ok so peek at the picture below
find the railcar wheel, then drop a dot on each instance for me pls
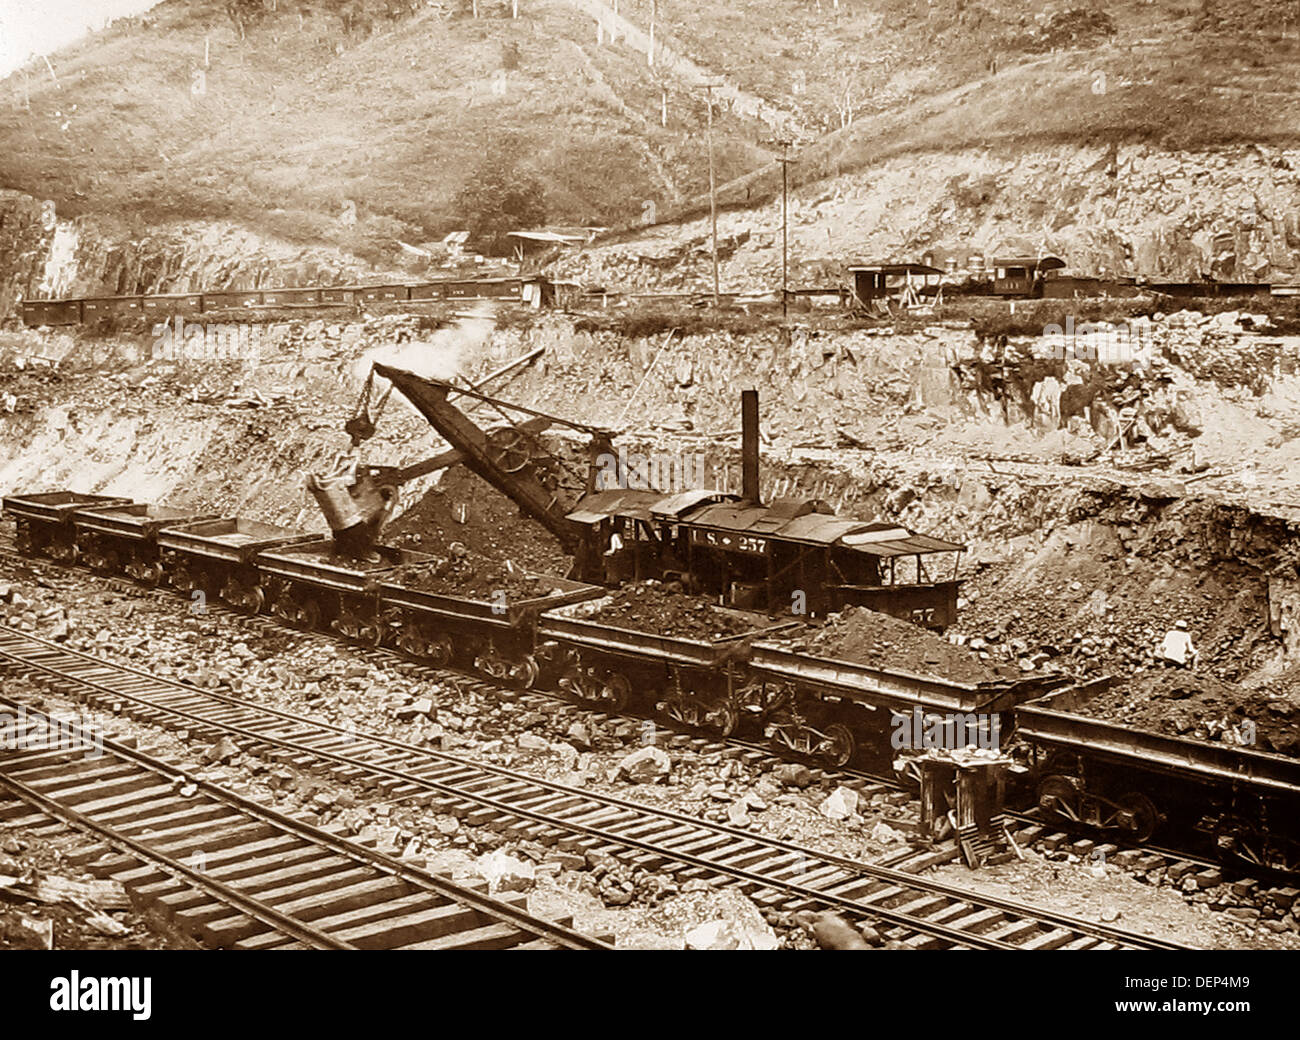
(105, 562)
(525, 673)
(439, 650)
(253, 600)
(839, 746)
(181, 579)
(307, 615)
(1143, 812)
(1057, 795)
(616, 691)
(723, 721)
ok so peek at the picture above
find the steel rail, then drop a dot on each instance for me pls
(373, 858)
(875, 872)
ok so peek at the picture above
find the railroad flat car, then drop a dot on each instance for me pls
(1144, 784)
(310, 584)
(338, 294)
(44, 520)
(123, 538)
(497, 636)
(221, 555)
(827, 708)
(699, 679)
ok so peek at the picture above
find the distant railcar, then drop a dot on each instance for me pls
(97, 307)
(290, 297)
(429, 291)
(50, 312)
(168, 304)
(383, 293)
(213, 301)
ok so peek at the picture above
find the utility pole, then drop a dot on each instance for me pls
(713, 193)
(650, 51)
(785, 162)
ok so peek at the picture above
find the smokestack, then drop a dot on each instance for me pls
(749, 446)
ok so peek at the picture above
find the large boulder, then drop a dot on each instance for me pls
(731, 935)
(840, 804)
(645, 765)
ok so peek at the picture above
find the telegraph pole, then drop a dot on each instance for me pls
(785, 162)
(713, 193)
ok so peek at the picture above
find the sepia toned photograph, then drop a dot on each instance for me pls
(657, 475)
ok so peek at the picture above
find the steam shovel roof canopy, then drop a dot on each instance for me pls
(789, 520)
(642, 505)
(888, 267)
(891, 540)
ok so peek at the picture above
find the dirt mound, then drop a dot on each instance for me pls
(868, 637)
(474, 576)
(466, 509)
(1200, 707)
(1100, 595)
(654, 608)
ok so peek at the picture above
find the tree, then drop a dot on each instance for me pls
(499, 198)
(244, 13)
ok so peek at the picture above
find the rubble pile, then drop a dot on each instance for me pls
(653, 607)
(1098, 595)
(471, 575)
(868, 637)
(464, 509)
(1191, 704)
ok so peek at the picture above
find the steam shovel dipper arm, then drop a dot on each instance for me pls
(520, 484)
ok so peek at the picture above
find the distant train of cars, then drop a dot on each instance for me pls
(529, 290)
(869, 285)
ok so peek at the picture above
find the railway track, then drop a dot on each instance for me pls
(1028, 829)
(237, 874)
(774, 873)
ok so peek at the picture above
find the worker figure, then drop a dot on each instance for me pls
(1177, 648)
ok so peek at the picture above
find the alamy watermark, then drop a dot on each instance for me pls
(921, 732)
(179, 340)
(1121, 343)
(661, 471)
(37, 731)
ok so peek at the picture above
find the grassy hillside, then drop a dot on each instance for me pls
(389, 108)
(283, 129)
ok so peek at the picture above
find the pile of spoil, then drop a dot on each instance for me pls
(863, 636)
(1198, 706)
(655, 608)
(470, 575)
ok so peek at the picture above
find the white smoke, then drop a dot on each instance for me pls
(443, 355)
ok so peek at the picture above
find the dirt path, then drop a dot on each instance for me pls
(691, 73)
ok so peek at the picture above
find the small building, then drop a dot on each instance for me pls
(900, 283)
(543, 240)
(1022, 275)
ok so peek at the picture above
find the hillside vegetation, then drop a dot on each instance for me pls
(355, 123)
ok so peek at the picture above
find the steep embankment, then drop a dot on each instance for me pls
(1078, 555)
(1232, 213)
